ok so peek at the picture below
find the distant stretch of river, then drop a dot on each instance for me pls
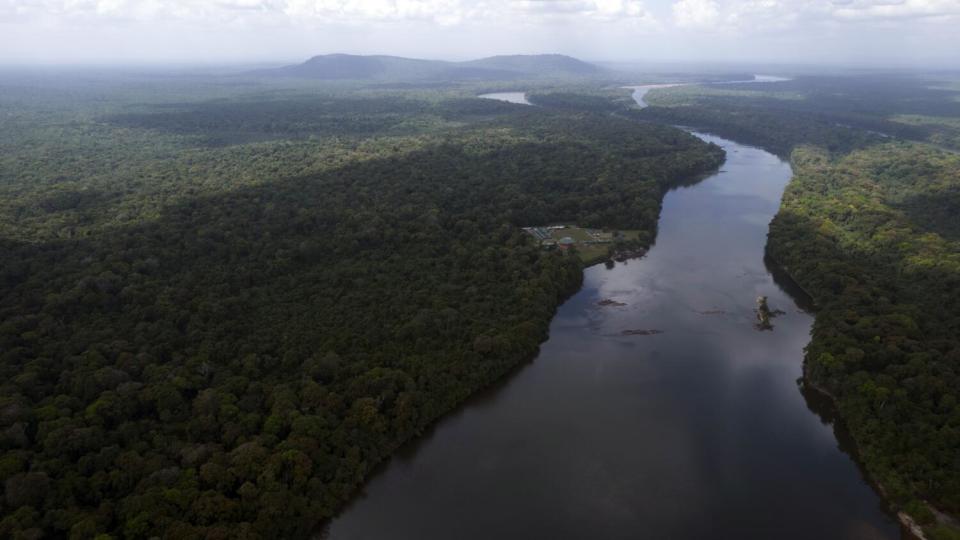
(513, 97)
(697, 432)
(639, 92)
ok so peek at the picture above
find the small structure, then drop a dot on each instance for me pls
(539, 233)
(566, 242)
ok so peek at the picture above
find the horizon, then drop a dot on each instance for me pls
(228, 66)
(837, 33)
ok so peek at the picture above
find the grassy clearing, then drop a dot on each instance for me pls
(592, 245)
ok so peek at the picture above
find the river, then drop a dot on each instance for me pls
(639, 92)
(699, 431)
(519, 98)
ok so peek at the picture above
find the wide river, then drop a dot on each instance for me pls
(700, 431)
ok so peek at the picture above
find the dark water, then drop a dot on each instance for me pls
(697, 432)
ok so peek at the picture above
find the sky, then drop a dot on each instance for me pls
(875, 33)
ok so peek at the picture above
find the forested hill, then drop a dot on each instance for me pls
(869, 226)
(380, 67)
(204, 336)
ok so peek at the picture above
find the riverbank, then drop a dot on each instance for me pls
(836, 272)
(911, 528)
(862, 374)
(703, 410)
(909, 524)
(632, 201)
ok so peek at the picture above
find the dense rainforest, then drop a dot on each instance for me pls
(218, 315)
(870, 228)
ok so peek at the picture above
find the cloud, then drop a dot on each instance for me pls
(444, 12)
(266, 30)
(594, 9)
(696, 13)
(620, 8)
(759, 16)
(440, 11)
(688, 14)
(893, 9)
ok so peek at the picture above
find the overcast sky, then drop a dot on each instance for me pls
(872, 32)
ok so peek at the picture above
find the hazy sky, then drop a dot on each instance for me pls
(875, 32)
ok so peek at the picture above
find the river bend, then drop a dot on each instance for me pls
(696, 432)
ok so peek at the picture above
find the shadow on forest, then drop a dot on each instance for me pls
(315, 321)
(224, 123)
(937, 213)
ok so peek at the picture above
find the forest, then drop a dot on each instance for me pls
(870, 227)
(219, 314)
(834, 112)
(873, 236)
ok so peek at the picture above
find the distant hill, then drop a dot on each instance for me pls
(351, 66)
(382, 67)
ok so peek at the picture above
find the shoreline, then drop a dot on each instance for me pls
(909, 526)
(423, 434)
(419, 435)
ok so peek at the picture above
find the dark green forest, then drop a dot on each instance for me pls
(218, 315)
(870, 227)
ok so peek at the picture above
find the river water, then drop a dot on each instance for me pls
(519, 98)
(699, 431)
